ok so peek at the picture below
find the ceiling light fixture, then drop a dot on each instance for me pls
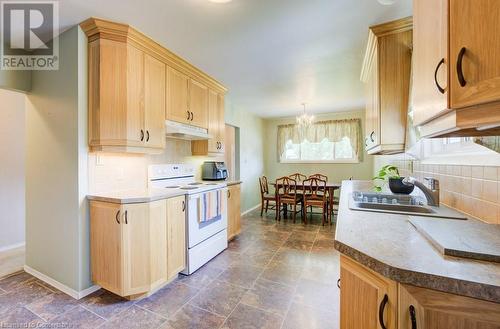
(305, 120)
(220, 1)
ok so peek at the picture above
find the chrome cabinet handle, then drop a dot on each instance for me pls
(381, 311)
(460, 71)
(117, 217)
(126, 216)
(147, 135)
(413, 317)
(441, 89)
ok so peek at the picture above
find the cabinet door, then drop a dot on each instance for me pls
(198, 103)
(136, 248)
(158, 241)
(430, 64)
(213, 122)
(176, 238)
(221, 121)
(233, 210)
(135, 96)
(429, 309)
(474, 27)
(155, 98)
(363, 296)
(105, 246)
(177, 96)
(373, 106)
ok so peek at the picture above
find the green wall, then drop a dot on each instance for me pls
(335, 172)
(251, 142)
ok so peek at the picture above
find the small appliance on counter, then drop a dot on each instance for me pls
(213, 170)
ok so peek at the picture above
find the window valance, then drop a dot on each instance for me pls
(333, 130)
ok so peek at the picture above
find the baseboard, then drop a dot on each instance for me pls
(250, 210)
(12, 246)
(58, 285)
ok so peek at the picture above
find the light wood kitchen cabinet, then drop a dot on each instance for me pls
(119, 252)
(216, 128)
(137, 248)
(386, 73)
(176, 235)
(198, 103)
(177, 96)
(367, 299)
(134, 85)
(457, 83)
(428, 309)
(126, 98)
(233, 211)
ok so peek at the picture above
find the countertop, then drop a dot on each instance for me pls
(390, 245)
(143, 195)
(136, 196)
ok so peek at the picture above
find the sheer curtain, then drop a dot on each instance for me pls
(333, 130)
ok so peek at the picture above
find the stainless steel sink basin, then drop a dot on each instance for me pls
(399, 204)
(395, 208)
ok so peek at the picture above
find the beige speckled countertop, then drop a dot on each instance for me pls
(233, 182)
(390, 245)
(136, 196)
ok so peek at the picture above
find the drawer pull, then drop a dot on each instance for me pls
(142, 135)
(413, 317)
(117, 217)
(126, 216)
(147, 135)
(441, 89)
(460, 71)
(381, 311)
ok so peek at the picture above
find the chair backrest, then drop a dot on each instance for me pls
(286, 188)
(298, 176)
(320, 176)
(264, 186)
(314, 188)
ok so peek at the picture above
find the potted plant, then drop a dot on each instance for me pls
(390, 173)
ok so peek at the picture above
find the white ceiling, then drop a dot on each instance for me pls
(271, 54)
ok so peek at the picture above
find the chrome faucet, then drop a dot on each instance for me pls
(431, 193)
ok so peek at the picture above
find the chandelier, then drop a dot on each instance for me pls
(305, 120)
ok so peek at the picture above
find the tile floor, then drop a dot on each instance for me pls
(274, 275)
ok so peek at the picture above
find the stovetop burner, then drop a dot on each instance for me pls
(172, 186)
(189, 188)
(195, 183)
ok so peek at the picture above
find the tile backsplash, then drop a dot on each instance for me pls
(113, 172)
(474, 190)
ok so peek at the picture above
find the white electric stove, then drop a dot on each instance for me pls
(204, 240)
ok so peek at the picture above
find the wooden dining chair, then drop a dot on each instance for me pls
(320, 176)
(286, 194)
(298, 176)
(315, 196)
(265, 196)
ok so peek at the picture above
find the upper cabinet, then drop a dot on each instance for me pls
(386, 73)
(135, 85)
(457, 80)
(216, 127)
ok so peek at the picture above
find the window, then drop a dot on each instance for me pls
(324, 151)
(327, 141)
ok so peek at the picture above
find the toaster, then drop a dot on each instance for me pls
(213, 170)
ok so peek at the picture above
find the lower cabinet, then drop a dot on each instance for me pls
(233, 211)
(428, 309)
(367, 299)
(137, 248)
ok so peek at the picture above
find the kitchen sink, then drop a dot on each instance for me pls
(399, 204)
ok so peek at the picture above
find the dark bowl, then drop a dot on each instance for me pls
(396, 185)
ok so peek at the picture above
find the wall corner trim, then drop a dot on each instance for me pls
(58, 285)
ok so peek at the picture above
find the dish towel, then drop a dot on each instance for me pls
(210, 206)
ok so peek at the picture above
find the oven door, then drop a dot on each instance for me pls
(199, 232)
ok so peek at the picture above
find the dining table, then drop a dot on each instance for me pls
(330, 187)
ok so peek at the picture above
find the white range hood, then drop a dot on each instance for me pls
(183, 131)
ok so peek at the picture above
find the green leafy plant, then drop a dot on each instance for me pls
(386, 172)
